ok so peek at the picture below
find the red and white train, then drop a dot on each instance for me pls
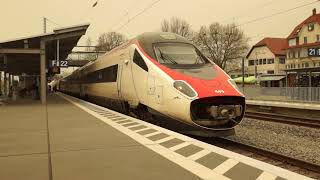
(162, 74)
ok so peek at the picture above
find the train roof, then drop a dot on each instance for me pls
(146, 41)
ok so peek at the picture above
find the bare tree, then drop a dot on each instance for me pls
(224, 44)
(110, 40)
(178, 26)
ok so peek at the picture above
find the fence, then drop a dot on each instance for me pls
(294, 94)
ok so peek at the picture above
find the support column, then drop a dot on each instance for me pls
(5, 84)
(286, 79)
(243, 74)
(310, 86)
(43, 84)
(10, 84)
(9, 80)
(310, 79)
(0, 83)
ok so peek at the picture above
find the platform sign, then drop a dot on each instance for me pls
(314, 52)
(55, 63)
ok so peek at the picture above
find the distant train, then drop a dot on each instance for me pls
(162, 75)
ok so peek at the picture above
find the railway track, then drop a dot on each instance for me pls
(302, 167)
(300, 121)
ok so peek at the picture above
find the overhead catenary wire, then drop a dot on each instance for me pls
(248, 10)
(125, 14)
(138, 14)
(276, 14)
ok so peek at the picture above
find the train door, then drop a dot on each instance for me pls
(154, 89)
(126, 85)
(140, 76)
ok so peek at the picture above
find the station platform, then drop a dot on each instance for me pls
(72, 139)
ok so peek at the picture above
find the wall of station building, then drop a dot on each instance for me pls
(266, 62)
(298, 57)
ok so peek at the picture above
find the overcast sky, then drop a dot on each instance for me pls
(21, 18)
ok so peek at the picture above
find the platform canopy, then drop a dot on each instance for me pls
(22, 55)
(309, 69)
(33, 55)
(271, 78)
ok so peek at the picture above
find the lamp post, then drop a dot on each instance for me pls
(243, 72)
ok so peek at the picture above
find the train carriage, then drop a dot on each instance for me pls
(162, 75)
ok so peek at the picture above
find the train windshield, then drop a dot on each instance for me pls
(179, 54)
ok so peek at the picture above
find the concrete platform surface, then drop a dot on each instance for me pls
(73, 139)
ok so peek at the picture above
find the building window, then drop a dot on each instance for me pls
(306, 65)
(292, 42)
(318, 37)
(292, 54)
(270, 61)
(251, 62)
(282, 61)
(302, 65)
(264, 61)
(305, 40)
(260, 61)
(298, 54)
(310, 27)
(257, 62)
(270, 72)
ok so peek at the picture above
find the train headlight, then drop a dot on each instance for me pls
(184, 88)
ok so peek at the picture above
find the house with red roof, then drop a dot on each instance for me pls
(303, 53)
(304, 44)
(291, 61)
(266, 61)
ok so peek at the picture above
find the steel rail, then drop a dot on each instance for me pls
(299, 121)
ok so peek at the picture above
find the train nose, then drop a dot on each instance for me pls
(218, 112)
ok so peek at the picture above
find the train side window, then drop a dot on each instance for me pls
(110, 73)
(137, 59)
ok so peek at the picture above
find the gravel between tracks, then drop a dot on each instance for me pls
(299, 142)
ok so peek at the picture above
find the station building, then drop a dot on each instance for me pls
(303, 53)
(266, 61)
(293, 61)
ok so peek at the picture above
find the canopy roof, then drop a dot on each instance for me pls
(22, 55)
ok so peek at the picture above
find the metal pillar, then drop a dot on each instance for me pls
(45, 25)
(310, 86)
(5, 84)
(310, 79)
(9, 82)
(43, 83)
(242, 72)
(0, 83)
(286, 79)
